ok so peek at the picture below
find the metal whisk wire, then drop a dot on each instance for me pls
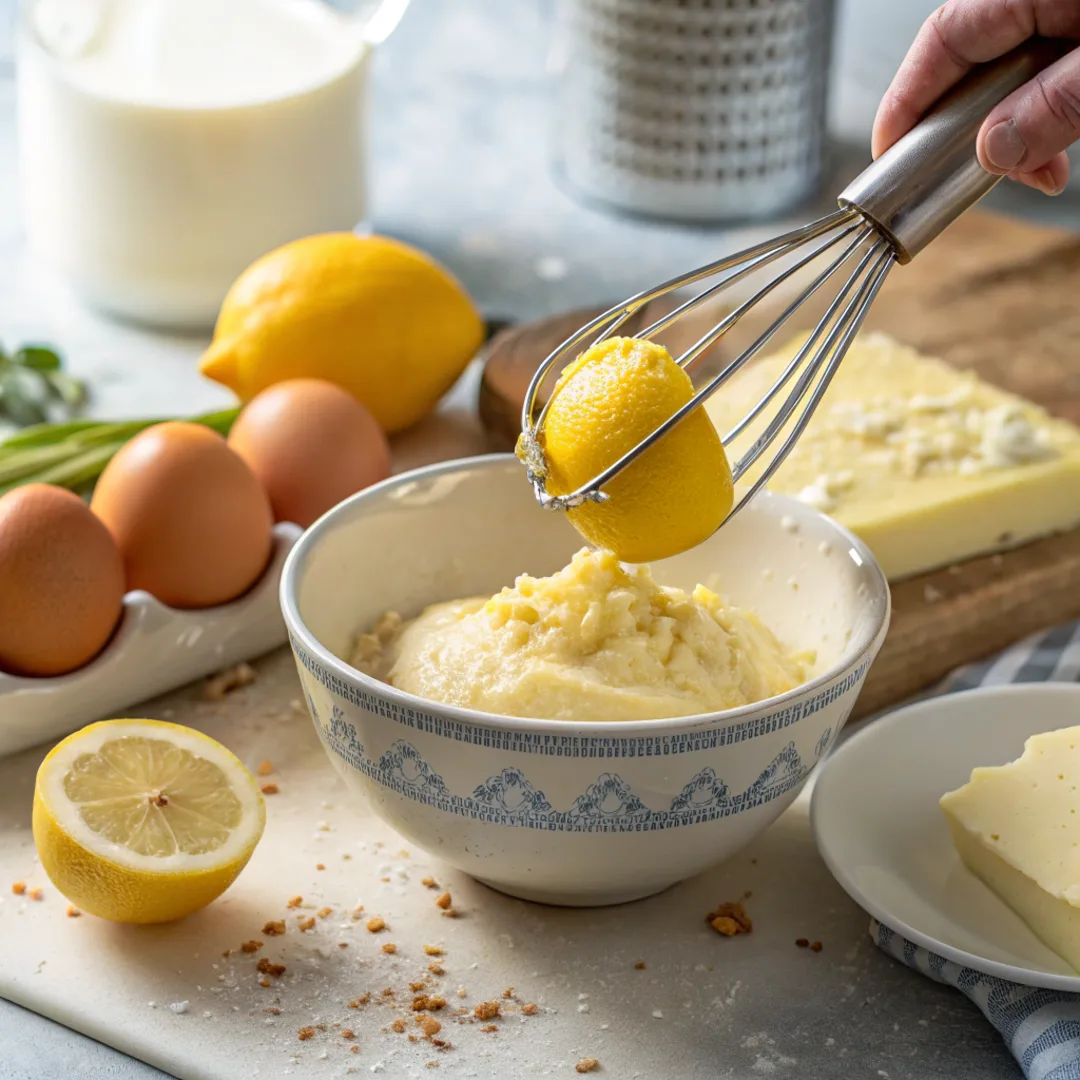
(887, 215)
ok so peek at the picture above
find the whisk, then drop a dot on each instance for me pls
(887, 215)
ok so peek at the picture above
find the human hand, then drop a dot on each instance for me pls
(1026, 135)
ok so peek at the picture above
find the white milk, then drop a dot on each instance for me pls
(165, 144)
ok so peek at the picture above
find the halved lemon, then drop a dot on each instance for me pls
(140, 821)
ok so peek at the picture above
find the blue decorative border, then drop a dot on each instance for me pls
(578, 746)
(606, 806)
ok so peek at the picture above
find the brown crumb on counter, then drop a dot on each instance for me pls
(429, 1003)
(530, 1010)
(445, 901)
(319, 866)
(417, 986)
(73, 912)
(430, 1025)
(442, 1044)
(273, 1010)
(390, 948)
(305, 1033)
(294, 902)
(265, 967)
(19, 888)
(487, 1010)
(363, 999)
(264, 982)
(357, 911)
(306, 922)
(431, 1064)
(265, 769)
(436, 968)
(375, 924)
(587, 1065)
(815, 946)
(251, 946)
(348, 1033)
(398, 1025)
(508, 992)
(802, 943)
(36, 894)
(490, 1027)
(219, 686)
(269, 789)
(342, 944)
(274, 928)
(432, 950)
(730, 920)
(429, 883)
(451, 913)
(325, 912)
(640, 965)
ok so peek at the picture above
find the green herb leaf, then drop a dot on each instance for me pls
(38, 357)
(70, 391)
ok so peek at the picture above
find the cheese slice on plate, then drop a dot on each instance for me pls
(928, 464)
(1017, 827)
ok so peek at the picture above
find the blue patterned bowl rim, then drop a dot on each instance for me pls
(854, 662)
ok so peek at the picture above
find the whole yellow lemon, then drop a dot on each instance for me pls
(375, 316)
(672, 497)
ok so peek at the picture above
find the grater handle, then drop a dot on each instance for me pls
(924, 182)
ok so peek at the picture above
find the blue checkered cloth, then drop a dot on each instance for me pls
(1040, 1027)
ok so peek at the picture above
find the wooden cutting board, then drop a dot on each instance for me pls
(992, 294)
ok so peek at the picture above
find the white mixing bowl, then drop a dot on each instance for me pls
(557, 812)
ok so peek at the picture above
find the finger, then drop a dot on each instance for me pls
(1033, 125)
(1050, 179)
(956, 36)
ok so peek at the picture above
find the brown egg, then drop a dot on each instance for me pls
(311, 444)
(189, 517)
(61, 582)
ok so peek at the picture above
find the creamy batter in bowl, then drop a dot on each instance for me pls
(571, 811)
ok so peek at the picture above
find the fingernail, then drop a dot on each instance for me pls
(1044, 180)
(1004, 146)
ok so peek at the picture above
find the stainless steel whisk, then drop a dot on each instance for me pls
(887, 215)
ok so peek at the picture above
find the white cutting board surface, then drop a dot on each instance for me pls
(703, 1007)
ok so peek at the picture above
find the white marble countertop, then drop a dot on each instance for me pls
(460, 168)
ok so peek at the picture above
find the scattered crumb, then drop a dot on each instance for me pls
(273, 1010)
(816, 946)
(436, 968)
(432, 950)
(73, 912)
(363, 999)
(251, 946)
(348, 1033)
(306, 923)
(417, 986)
(445, 901)
(462, 992)
(319, 866)
(429, 882)
(398, 1025)
(265, 769)
(264, 983)
(219, 686)
(19, 888)
(508, 993)
(450, 913)
(294, 902)
(324, 912)
(730, 920)
(442, 1044)
(430, 1025)
(802, 943)
(265, 967)
(587, 1065)
(357, 911)
(305, 1033)
(354, 1049)
(376, 923)
(36, 894)
(342, 944)
(274, 928)
(390, 948)
(431, 1064)
(269, 789)
(640, 965)
(530, 1009)
(179, 1007)
(430, 1003)
(487, 1010)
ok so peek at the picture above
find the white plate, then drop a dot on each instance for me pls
(879, 828)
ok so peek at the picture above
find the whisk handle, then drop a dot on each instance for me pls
(924, 182)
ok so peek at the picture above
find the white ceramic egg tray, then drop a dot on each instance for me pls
(154, 649)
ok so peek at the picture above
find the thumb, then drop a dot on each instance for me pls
(1032, 126)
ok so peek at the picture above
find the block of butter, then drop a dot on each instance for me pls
(929, 465)
(1017, 827)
